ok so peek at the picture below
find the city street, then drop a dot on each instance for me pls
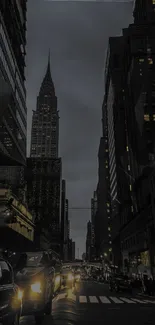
(92, 303)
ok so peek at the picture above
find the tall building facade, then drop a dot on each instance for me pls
(44, 167)
(130, 113)
(45, 120)
(93, 215)
(137, 231)
(13, 114)
(89, 241)
(64, 222)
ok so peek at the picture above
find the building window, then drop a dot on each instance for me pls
(141, 60)
(153, 2)
(153, 117)
(130, 187)
(109, 229)
(127, 148)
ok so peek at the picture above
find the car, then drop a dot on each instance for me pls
(37, 284)
(67, 277)
(77, 276)
(10, 295)
(120, 282)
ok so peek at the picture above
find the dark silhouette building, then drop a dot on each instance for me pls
(45, 120)
(129, 96)
(43, 177)
(64, 222)
(71, 250)
(44, 167)
(89, 241)
(13, 111)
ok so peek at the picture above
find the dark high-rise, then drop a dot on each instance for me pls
(64, 222)
(45, 120)
(130, 106)
(44, 167)
(13, 114)
(144, 11)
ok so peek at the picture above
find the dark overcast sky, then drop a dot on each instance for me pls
(77, 33)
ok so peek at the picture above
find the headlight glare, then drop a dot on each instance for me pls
(36, 287)
(20, 294)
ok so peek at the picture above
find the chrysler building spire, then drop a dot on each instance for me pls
(45, 120)
(47, 86)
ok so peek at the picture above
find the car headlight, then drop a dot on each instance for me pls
(36, 287)
(20, 294)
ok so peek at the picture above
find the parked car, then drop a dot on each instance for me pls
(120, 282)
(37, 283)
(10, 295)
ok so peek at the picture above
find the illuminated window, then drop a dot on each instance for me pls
(130, 187)
(107, 150)
(106, 166)
(128, 167)
(131, 208)
(150, 61)
(153, 117)
(153, 2)
(110, 242)
(146, 117)
(110, 249)
(108, 210)
(127, 148)
(109, 228)
(141, 60)
(108, 205)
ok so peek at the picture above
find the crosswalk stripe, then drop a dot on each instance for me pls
(139, 301)
(93, 299)
(128, 300)
(116, 300)
(104, 300)
(150, 301)
(83, 299)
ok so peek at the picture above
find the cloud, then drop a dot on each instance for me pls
(77, 33)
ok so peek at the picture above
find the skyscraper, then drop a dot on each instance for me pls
(12, 77)
(144, 11)
(45, 120)
(44, 167)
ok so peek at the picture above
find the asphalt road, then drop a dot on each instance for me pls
(93, 304)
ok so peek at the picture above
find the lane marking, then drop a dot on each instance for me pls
(128, 300)
(93, 299)
(104, 300)
(82, 299)
(116, 300)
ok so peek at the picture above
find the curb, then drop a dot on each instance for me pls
(146, 296)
